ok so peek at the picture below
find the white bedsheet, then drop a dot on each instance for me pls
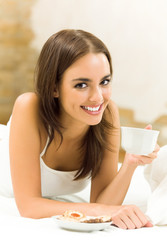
(12, 226)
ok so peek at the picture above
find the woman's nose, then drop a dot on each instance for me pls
(96, 95)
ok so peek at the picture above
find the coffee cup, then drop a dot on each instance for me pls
(138, 140)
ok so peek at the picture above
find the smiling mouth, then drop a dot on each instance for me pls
(95, 109)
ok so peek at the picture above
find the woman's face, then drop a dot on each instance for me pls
(85, 90)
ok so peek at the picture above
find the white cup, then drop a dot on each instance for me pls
(138, 141)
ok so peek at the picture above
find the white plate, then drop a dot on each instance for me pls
(82, 227)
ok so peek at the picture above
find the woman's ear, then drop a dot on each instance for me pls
(56, 92)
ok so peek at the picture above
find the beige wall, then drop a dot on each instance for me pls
(17, 57)
(134, 31)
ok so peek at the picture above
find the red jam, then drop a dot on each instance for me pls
(75, 215)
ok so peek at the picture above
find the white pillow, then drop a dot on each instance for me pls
(6, 188)
(156, 175)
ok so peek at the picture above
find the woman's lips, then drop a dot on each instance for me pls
(92, 110)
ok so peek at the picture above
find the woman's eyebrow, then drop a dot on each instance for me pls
(89, 80)
(82, 79)
(107, 76)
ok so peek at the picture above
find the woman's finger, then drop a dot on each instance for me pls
(130, 222)
(116, 220)
(149, 126)
(143, 219)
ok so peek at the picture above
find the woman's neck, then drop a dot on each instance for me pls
(73, 130)
(75, 133)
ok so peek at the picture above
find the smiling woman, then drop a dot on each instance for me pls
(82, 63)
(93, 92)
(67, 133)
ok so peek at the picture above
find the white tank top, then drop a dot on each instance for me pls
(56, 183)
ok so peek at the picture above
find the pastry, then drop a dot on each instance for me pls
(76, 216)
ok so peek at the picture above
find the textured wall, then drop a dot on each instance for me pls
(17, 57)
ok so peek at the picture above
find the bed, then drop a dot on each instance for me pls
(12, 225)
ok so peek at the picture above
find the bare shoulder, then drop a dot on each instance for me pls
(26, 105)
(26, 111)
(28, 99)
(112, 114)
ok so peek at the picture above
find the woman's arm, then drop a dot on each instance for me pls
(115, 192)
(110, 186)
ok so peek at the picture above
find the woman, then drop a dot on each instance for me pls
(68, 131)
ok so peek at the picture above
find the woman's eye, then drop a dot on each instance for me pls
(81, 85)
(105, 82)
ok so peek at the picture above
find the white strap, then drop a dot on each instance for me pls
(44, 150)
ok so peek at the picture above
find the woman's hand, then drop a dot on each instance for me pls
(130, 217)
(136, 160)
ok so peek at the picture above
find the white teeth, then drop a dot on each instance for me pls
(92, 109)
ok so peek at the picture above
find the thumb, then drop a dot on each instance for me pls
(149, 126)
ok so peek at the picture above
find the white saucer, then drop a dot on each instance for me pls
(82, 227)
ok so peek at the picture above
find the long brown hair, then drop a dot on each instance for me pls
(59, 52)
